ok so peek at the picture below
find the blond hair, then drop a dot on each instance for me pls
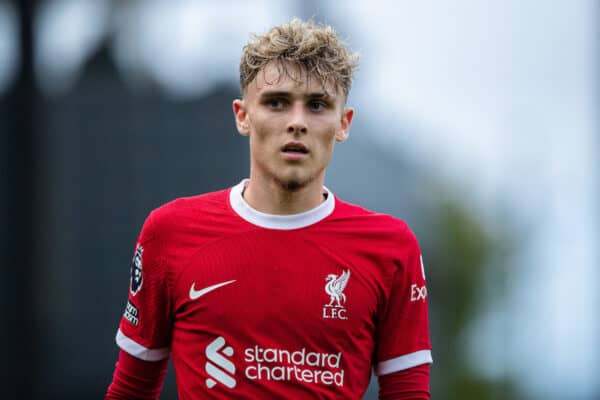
(317, 49)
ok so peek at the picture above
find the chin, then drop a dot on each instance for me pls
(293, 183)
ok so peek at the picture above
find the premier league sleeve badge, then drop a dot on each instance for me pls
(136, 271)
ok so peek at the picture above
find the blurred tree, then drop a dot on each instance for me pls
(460, 252)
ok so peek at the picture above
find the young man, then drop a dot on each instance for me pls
(275, 288)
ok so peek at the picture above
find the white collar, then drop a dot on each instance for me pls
(271, 221)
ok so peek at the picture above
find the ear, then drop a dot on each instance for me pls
(345, 122)
(241, 117)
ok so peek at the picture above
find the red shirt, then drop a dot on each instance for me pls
(265, 306)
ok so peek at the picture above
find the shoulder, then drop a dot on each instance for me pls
(183, 206)
(385, 239)
(364, 219)
(186, 211)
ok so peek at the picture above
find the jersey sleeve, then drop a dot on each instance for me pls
(145, 328)
(403, 330)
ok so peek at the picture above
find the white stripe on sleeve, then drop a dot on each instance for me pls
(403, 362)
(139, 351)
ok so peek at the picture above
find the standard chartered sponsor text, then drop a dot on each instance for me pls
(301, 365)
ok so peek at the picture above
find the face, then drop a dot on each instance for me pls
(292, 126)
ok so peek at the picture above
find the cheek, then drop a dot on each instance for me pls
(325, 148)
(262, 140)
(328, 138)
(264, 128)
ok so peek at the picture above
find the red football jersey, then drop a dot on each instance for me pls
(253, 305)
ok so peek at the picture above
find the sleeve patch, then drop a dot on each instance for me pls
(136, 271)
(131, 313)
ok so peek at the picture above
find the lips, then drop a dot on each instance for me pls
(295, 147)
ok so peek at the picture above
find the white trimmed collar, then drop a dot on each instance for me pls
(271, 221)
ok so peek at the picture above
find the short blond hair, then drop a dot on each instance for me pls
(315, 48)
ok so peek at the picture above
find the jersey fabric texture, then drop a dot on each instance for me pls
(254, 305)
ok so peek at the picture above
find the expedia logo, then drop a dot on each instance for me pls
(219, 368)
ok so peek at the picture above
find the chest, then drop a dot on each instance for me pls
(266, 287)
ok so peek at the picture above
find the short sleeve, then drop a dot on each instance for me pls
(403, 330)
(145, 328)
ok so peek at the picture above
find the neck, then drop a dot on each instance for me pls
(271, 197)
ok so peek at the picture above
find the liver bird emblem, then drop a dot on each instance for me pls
(335, 288)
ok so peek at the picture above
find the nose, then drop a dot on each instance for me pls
(297, 122)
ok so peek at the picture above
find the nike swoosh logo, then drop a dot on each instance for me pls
(194, 294)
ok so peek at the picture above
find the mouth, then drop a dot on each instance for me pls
(294, 148)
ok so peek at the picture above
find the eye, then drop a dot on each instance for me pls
(317, 105)
(275, 103)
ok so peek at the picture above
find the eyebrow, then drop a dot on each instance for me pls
(313, 95)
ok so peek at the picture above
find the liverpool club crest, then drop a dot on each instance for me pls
(337, 299)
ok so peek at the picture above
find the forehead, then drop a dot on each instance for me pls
(289, 77)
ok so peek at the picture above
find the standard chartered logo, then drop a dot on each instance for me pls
(301, 365)
(272, 364)
(217, 365)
